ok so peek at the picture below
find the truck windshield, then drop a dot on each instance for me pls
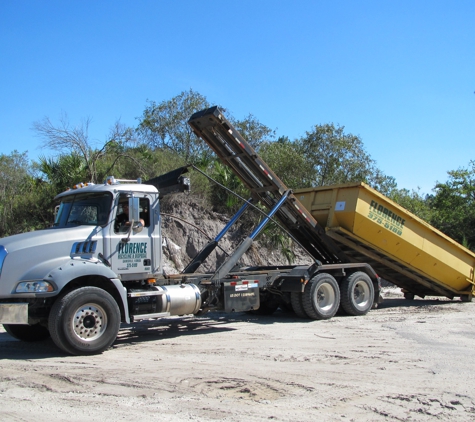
(91, 209)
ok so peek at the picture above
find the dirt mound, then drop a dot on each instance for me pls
(188, 223)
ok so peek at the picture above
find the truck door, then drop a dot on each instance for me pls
(132, 251)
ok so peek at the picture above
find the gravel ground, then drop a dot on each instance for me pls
(407, 360)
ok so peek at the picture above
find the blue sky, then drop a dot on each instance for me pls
(400, 74)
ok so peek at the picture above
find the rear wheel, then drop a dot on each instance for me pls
(85, 321)
(321, 297)
(269, 303)
(357, 294)
(285, 305)
(297, 304)
(27, 332)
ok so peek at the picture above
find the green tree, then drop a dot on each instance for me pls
(165, 125)
(335, 157)
(34, 207)
(380, 181)
(221, 199)
(24, 199)
(413, 201)
(13, 176)
(253, 131)
(64, 171)
(287, 161)
(454, 206)
(164, 129)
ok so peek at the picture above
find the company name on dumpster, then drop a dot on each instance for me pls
(385, 217)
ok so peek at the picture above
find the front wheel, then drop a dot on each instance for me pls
(357, 294)
(27, 332)
(321, 297)
(85, 321)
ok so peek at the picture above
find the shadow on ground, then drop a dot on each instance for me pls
(213, 322)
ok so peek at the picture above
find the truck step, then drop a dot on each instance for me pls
(148, 293)
(134, 318)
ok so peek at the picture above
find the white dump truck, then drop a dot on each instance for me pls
(100, 264)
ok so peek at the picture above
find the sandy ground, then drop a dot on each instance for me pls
(407, 360)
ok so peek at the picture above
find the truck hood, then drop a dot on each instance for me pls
(47, 237)
(31, 256)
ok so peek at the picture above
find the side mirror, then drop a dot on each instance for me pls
(134, 214)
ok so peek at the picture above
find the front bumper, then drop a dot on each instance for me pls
(13, 313)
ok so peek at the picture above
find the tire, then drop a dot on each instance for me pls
(28, 333)
(269, 303)
(357, 294)
(265, 309)
(409, 296)
(85, 321)
(321, 298)
(296, 301)
(376, 303)
(466, 298)
(285, 305)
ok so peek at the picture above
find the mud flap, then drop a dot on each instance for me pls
(241, 296)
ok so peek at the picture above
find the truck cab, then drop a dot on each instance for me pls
(95, 267)
(124, 224)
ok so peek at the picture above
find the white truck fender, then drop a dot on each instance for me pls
(123, 295)
(73, 269)
(76, 268)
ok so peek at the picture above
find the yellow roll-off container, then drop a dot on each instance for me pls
(402, 248)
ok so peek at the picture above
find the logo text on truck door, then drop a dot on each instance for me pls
(132, 253)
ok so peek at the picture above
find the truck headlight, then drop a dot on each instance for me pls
(38, 286)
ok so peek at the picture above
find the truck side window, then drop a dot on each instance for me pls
(122, 218)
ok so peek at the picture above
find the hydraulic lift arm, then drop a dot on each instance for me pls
(264, 185)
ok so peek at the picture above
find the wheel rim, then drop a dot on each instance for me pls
(325, 297)
(90, 322)
(361, 294)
